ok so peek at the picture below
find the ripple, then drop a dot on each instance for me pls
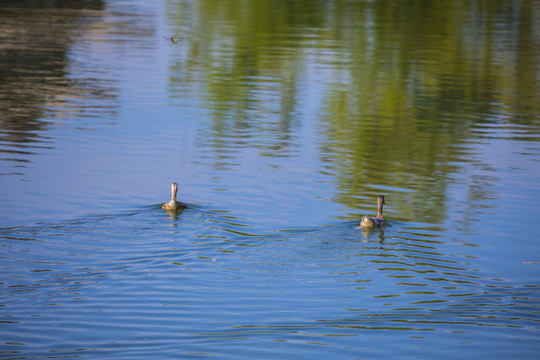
(178, 280)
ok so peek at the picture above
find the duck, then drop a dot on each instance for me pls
(174, 204)
(374, 221)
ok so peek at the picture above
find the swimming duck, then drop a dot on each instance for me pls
(174, 204)
(374, 221)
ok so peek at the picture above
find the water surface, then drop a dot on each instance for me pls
(281, 122)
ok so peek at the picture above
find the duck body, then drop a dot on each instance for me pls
(368, 222)
(371, 222)
(174, 204)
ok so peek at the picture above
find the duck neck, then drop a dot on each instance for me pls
(380, 203)
(174, 190)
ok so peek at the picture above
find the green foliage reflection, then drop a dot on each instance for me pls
(402, 85)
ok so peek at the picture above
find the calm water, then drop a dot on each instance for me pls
(281, 121)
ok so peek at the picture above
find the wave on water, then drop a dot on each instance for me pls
(205, 282)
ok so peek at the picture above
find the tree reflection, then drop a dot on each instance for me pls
(41, 80)
(34, 39)
(403, 84)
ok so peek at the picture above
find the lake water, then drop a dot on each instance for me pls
(281, 121)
